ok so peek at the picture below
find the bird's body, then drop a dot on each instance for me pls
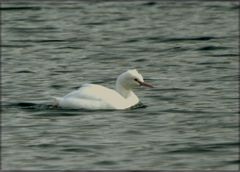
(93, 96)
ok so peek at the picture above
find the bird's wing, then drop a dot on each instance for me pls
(94, 92)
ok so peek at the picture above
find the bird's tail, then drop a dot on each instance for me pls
(56, 101)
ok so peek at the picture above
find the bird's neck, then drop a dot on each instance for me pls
(123, 91)
(130, 98)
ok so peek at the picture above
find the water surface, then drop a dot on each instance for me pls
(188, 50)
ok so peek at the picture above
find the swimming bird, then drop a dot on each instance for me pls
(93, 96)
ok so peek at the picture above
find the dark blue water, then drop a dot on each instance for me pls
(188, 51)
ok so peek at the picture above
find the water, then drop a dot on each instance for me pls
(188, 50)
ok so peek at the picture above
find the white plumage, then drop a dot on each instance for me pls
(93, 96)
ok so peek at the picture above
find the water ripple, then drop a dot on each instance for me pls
(187, 50)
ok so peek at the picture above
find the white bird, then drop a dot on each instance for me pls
(93, 96)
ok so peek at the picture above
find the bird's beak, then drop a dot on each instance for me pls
(145, 84)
